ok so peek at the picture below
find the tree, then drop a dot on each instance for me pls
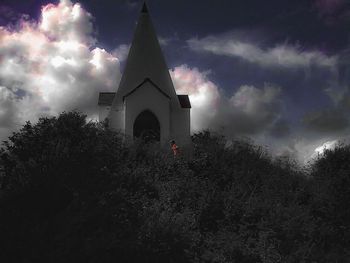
(331, 203)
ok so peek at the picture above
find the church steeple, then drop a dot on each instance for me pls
(144, 8)
(145, 60)
(146, 104)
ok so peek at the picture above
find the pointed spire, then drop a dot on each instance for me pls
(145, 60)
(144, 8)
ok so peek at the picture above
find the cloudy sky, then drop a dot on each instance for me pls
(276, 71)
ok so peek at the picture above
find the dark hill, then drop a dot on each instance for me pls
(71, 191)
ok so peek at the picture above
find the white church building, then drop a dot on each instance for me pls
(145, 104)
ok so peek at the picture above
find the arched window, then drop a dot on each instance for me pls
(146, 127)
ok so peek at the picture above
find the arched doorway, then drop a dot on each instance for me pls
(146, 127)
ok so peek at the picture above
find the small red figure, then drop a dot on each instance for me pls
(174, 147)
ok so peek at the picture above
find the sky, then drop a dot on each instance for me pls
(274, 71)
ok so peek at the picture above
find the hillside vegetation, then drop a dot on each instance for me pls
(72, 191)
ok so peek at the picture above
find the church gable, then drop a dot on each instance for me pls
(142, 84)
(106, 99)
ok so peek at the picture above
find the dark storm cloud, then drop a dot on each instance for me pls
(280, 129)
(329, 6)
(336, 117)
(333, 12)
(345, 101)
(253, 110)
(325, 121)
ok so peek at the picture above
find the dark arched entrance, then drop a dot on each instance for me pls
(146, 127)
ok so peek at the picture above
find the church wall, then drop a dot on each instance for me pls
(148, 97)
(180, 128)
(116, 116)
(103, 112)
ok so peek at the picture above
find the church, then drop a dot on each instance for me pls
(145, 105)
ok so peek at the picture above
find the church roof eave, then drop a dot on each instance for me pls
(141, 84)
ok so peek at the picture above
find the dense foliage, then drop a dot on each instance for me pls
(73, 191)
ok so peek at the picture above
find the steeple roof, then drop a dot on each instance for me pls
(144, 8)
(145, 60)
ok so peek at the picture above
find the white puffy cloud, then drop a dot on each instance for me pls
(52, 66)
(204, 95)
(121, 52)
(306, 147)
(283, 55)
(66, 22)
(8, 107)
(248, 111)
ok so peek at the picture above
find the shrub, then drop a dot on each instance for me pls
(74, 191)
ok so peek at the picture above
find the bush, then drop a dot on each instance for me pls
(331, 204)
(73, 191)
